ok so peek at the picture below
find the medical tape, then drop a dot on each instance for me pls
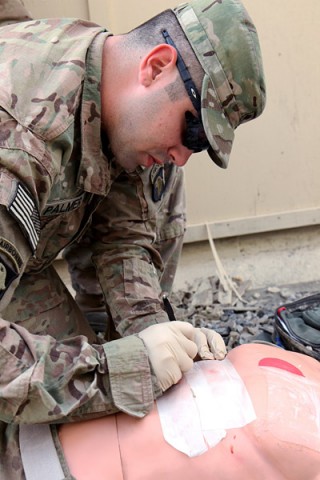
(293, 413)
(210, 399)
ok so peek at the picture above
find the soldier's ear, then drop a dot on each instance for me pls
(160, 61)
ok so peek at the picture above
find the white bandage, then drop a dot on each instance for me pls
(210, 399)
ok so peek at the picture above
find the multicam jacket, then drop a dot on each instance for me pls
(55, 176)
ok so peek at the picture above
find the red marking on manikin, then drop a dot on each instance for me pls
(281, 364)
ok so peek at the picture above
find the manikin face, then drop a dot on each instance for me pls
(147, 128)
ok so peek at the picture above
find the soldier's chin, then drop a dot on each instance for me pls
(130, 170)
(143, 163)
(128, 166)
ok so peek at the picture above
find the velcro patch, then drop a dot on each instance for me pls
(159, 177)
(11, 251)
(7, 275)
(63, 206)
(25, 211)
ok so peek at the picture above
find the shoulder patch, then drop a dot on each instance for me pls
(11, 251)
(7, 275)
(159, 177)
(25, 211)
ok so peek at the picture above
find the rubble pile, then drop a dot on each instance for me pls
(240, 315)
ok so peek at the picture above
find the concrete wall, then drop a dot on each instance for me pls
(273, 181)
(58, 8)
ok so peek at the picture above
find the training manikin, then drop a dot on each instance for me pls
(259, 409)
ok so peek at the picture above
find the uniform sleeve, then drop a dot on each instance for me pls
(13, 11)
(25, 182)
(126, 256)
(42, 380)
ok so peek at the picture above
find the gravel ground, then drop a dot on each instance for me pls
(240, 316)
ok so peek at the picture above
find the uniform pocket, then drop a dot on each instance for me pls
(141, 285)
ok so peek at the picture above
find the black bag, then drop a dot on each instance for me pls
(297, 326)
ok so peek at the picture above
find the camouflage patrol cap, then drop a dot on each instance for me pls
(226, 44)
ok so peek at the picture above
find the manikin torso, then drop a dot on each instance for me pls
(282, 443)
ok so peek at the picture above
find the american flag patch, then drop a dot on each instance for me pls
(24, 210)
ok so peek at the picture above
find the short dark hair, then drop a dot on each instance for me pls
(149, 34)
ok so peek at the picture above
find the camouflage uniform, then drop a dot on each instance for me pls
(55, 176)
(12, 11)
(131, 195)
(170, 227)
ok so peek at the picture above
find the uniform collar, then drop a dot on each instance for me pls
(98, 168)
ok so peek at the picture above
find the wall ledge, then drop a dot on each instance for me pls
(250, 225)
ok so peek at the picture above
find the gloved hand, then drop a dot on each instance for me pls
(171, 350)
(172, 346)
(210, 344)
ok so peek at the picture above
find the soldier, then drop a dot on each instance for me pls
(76, 140)
(169, 207)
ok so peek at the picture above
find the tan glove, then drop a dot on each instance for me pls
(210, 344)
(171, 350)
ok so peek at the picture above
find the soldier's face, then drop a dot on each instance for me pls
(148, 127)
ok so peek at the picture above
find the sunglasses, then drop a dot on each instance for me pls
(194, 137)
